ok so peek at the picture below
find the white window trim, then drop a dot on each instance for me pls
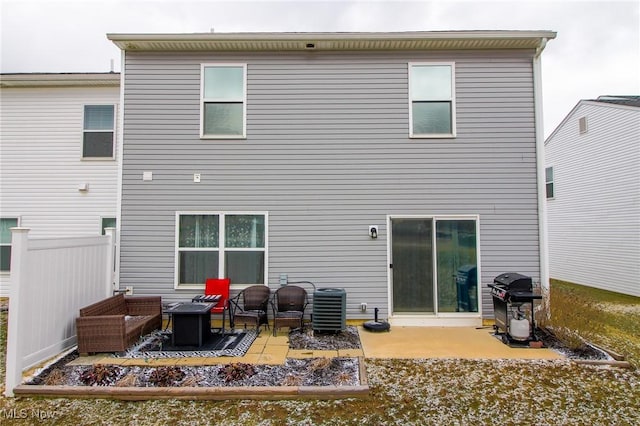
(203, 100)
(221, 234)
(18, 224)
(106, 217)
(114, 130)
(453, 102)
(421, 319)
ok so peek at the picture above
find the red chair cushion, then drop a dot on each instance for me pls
(218, 286)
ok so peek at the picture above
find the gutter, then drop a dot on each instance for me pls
(540, 48)
(120, 160)
(272, 36)
(341, 41)
(10, 80)
(540, 162)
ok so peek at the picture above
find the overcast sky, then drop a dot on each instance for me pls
(596, 52)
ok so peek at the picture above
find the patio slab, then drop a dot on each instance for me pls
(400, 342)
(305, 353)
(444, 342)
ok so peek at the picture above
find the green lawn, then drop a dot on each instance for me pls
(419, 392)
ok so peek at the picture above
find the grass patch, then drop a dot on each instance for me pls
(601, 317)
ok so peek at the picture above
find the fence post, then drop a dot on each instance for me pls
(110, 232)
(18, 271)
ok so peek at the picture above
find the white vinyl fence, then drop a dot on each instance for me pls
(51, 279)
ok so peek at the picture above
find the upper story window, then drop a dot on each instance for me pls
(221, 245)
(6, 223)
(223, 101)
(432, 108)
(549, 181)
(99, 131)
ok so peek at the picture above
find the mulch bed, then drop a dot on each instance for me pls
(309, 339)
(295, 372)
(584, 351)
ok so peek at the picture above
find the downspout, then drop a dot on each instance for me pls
(540, 161)
(116, 283)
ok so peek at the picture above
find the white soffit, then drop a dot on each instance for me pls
(436, 40)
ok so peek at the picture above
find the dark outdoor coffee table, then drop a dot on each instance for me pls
(191, 323)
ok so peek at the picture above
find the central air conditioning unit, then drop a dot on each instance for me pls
(329, 309)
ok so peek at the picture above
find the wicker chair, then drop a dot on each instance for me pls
(289, 303)
(250, 306)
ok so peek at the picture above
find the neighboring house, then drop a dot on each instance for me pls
(58, 151)
(593, 195)
(271, 156)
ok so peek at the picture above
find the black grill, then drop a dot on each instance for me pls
(510, 292)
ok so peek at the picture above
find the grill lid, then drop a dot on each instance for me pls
(512, 281)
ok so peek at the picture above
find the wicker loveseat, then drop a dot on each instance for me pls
(114, 324)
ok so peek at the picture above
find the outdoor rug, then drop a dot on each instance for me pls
(158, 345)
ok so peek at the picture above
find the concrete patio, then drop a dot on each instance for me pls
(444, 342)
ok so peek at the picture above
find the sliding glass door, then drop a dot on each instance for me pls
(456, 265)
(412, 249)
(434, 265)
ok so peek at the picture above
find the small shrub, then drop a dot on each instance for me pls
(319, 364)
(343, 378)
(55, 378)
(292, 380)
(166, 376)
(236, 371)
(571, 308)
(130, 380)
(99, 374)
(190, 381)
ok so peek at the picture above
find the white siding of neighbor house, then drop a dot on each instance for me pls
(41, 163)
(594, 218)
(327, 154)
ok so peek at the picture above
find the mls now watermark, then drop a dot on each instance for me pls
(24, 413)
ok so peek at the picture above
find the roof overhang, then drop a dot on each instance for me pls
(111, 79)
(422, 40)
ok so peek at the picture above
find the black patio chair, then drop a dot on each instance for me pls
(288, 304)
(250, 306)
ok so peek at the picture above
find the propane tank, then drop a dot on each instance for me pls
(519, 329)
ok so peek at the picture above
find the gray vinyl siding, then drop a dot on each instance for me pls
(594, 217)
(327, 154)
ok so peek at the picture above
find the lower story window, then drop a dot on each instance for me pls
(107, 222)
(5, 242)
(220, 245)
